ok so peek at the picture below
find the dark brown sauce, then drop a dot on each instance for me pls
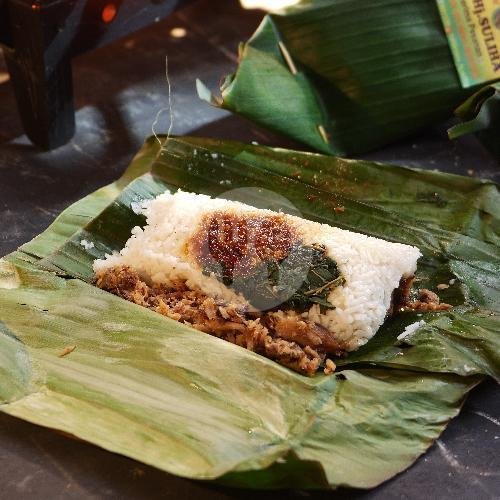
(240, 242)
(401, 295)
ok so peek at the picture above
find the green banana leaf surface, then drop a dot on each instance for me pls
(346, 76)
(137, 383)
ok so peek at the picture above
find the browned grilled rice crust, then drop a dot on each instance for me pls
(286, 339)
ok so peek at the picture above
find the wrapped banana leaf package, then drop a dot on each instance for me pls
(260, 317)
(345, 77)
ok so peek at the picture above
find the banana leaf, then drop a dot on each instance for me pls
(480, 115)
(345, 76)
(140, 384)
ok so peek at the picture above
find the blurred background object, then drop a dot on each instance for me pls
(40, 38)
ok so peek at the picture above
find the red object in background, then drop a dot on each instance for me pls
(109, 12)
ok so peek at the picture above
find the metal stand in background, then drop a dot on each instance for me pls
(39, 40)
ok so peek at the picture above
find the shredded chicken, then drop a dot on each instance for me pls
(329, 367)
(293, 328)
(427, 301)
(284, 337)
(287, 339)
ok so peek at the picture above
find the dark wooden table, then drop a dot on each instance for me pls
(118, 90)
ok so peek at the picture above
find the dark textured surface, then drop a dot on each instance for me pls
(118, 90)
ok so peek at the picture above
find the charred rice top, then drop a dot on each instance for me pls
(263, 258)
(238, 243)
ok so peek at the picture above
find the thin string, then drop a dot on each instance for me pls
(169, 109)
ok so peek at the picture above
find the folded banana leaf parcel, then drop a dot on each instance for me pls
(349, 76)
(122, 375)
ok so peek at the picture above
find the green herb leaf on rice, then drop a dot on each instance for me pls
(305, 277)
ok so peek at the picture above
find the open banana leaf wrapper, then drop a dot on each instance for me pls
(346, 76)
(137, 383)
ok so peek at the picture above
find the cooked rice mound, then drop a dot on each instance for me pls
(168, 266)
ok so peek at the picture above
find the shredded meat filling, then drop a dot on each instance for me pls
(283, 337)
(289, 340)
(401, 295)
(427, 301)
